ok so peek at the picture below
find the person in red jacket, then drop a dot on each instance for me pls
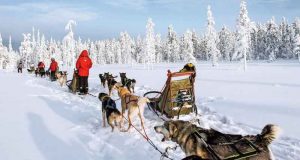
(41, 68)
(53, 68)
(83, 65)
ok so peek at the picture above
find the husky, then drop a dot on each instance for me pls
(133, 103)
(102, 79)
(110, 82)
(129, 83)
(187, 134)
(110, 111)
(62, 78)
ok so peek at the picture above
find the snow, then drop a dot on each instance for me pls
(42, 121)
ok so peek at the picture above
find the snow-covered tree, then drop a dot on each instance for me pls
(188, 48)
(149, 50)
(8, 58)
(196, 44)
(259, 42)
(26, 49)
(172, 46)
(212, 38)
(158, 49)
(242, 45)
(138, 49)
(263, 41)
(296, 25)
(201, 54)
(93, 51)
(2, 52)
(12, 56)
(69, 45)
(126, 48)
(226, 43)
(272, 40)
(297, 46)
(285, 48)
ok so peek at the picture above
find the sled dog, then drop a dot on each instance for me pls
(133, 103)
(129, 83)
(62, 78)
(110, 111)
(187, 134)
(40, 72)
(102, 79)
(110, 82)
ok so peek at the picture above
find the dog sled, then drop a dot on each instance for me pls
(177, 96)
(73, 84)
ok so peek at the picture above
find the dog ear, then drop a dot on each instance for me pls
(172, 129)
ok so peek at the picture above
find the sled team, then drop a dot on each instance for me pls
(196, 142)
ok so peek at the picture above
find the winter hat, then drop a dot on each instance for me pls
(84, 53)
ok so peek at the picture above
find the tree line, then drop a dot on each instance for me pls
(248, 41)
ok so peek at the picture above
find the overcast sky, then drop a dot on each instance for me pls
(101, 19)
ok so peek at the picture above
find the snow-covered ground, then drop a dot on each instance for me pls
(41, 121)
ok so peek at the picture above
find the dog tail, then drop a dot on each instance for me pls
(143, 100)
(269, 133)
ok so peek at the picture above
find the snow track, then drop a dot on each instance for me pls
(107, 145)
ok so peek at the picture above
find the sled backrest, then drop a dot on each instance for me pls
(178, 94)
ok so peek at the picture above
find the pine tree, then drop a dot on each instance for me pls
(126, 47)
(196, 44)
(212, 38)
(2, 52)
(242, 45)
(149, 44)
(260, 42)
(297, 46)
(188, 48)
(285, 48)
(296, 26)
(26, 49)
(4, 56)
(139, 49)
(226, 43)
(202, 47)
(172, 46)
(100, 52)
(272, 40)
(69, 45)
(158, 49)
(93, 52)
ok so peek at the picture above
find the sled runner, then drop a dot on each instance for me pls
(73, 84)
(177, 96)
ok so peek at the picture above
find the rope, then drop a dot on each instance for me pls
(107, 96)
(145, 136)
(91, 94)
(163, 154)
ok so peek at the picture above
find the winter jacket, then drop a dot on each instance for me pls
(53, 66)
(41, 65)
(20, 65)
(83, 64)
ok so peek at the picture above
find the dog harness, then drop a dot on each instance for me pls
(109, 103)
(226, 140)
(129, 98)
